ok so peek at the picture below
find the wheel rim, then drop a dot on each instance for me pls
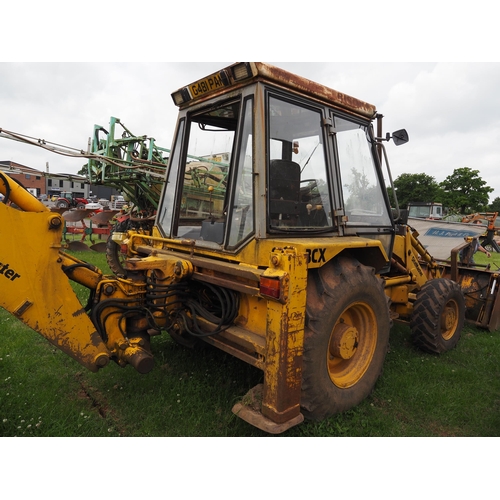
(449, 319)
(352, 345)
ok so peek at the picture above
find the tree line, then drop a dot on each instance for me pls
(464, 191)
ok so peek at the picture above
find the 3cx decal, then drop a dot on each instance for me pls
(316, 255)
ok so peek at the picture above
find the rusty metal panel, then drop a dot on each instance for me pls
(285, 338)
(494, 320)
(490, 313)
(314, 89)
(264, 72)
(481, 289)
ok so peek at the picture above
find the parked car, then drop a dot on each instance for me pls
(97, 207)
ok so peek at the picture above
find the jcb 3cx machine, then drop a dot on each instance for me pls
(274, 241)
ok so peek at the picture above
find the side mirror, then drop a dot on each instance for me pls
(400, 137)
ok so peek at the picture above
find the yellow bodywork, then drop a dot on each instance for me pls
(268, 331)
(34, 272)
(407, 274)
(35, 288)
(262, 275)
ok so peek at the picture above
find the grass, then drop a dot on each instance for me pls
(43, 392)
(494, 260)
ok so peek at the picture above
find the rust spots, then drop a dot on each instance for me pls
(79, 312)
(316, 90)
(95, 339)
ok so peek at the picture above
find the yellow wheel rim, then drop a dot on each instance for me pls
(352, 345)
(449, 320)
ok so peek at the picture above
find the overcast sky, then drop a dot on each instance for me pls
(450, 110)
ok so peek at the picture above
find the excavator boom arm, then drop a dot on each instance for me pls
(34, 286)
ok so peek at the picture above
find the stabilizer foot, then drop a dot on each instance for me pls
(248, 409)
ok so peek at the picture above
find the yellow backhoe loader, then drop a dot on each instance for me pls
(274, 240)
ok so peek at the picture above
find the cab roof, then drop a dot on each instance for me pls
(245, 73)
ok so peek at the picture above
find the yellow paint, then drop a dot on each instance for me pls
(256, 253)
(41, 295)
(285, 338)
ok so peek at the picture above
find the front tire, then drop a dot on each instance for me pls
(438, 316)
(346, 337)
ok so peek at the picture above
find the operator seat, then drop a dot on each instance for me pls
(284, 192)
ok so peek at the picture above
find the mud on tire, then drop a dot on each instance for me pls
(346, 337)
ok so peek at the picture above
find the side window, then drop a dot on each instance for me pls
(166, 211)
(298, 196)
(203, 200)
(206, 175)
(242, 218)
(363, 195)
(365, 198)
(196, 198)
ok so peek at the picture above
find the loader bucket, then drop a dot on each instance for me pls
(480, 287)
(482, 299)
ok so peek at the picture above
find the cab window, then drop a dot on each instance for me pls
(298, 194)
(199, 196)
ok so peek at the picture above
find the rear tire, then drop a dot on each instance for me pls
(346, 337)
(438, 316)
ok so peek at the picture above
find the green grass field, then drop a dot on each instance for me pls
(43, 392)
(493, 261)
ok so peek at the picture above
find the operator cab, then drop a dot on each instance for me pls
(259, 153)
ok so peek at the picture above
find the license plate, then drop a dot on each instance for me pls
(212, 82)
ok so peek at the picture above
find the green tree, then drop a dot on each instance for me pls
(362, 194)
(465, 191)
(415, 187)
(495, 205)
(84, 170)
